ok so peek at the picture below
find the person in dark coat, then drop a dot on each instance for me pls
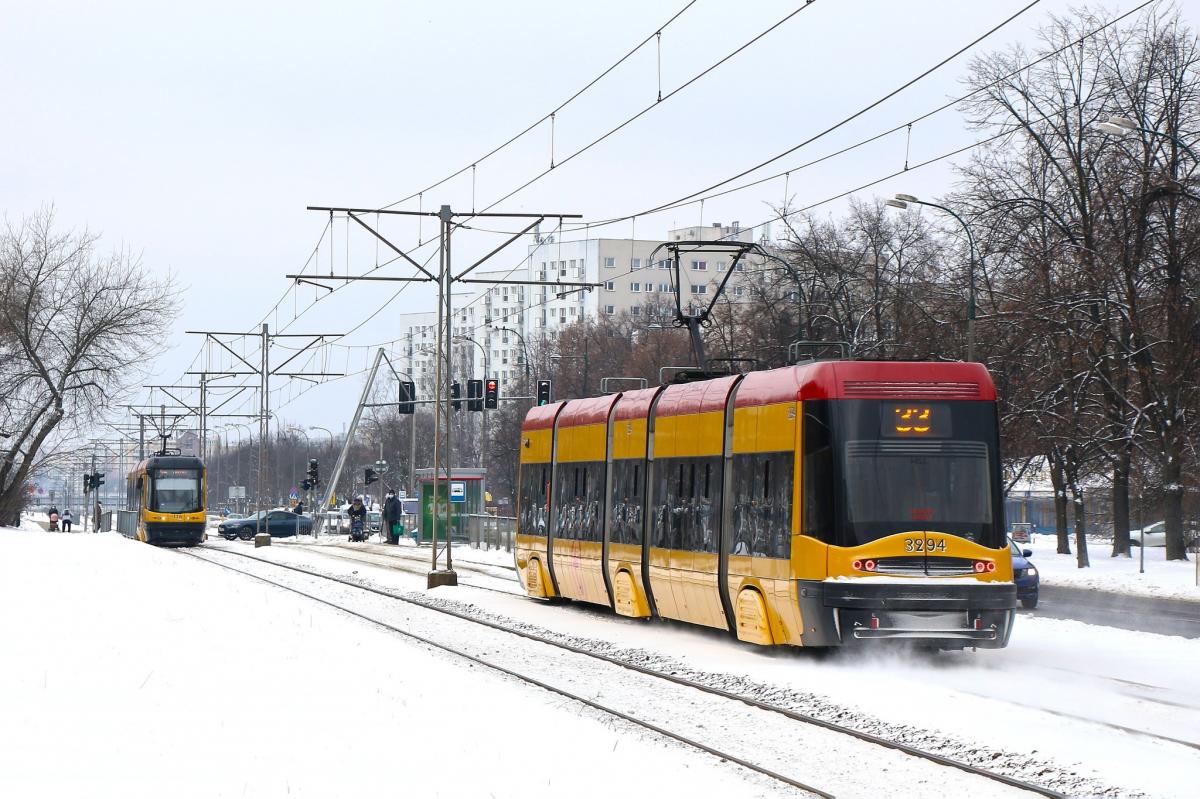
(392, 513)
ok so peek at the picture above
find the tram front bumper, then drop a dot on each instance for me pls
(939, 614)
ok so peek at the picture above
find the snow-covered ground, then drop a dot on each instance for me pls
(121, 647)
(132, 671)
(1117, 706)
(1165, 579)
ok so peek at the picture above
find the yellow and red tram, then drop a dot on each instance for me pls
(165, 501)
(815, 505)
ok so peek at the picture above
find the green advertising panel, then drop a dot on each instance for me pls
(457, 510)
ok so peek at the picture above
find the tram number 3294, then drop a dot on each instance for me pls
(924, 545)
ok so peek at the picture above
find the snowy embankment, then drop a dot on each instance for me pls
(1164, 579)
(127, 669)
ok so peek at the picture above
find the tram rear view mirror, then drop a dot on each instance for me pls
(1027, 553)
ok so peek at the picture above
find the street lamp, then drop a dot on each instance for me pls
(902, 201)
(524, 348)
(1123, 126)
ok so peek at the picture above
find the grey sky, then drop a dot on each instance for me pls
(197, 134)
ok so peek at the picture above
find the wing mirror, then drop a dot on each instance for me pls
(1027, 553)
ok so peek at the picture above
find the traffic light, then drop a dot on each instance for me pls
(97, 480)
(491, 393)
(456, 395)
(544, 394)
(408, 396)
(305, 485)
(371, 477)
(474, 395)
(87, 483)
(314, 478)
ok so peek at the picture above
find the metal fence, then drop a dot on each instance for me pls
(127, 521)
(485, 531)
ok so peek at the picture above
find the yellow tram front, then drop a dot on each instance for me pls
(167, 493)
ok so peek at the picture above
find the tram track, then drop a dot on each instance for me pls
(654, 674)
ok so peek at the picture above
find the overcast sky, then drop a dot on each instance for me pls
(196, 134)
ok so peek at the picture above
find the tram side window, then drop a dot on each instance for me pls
(762, 510)
(535, 478)
(626, 526)
(578, 510)
(818, 472)
(687, 509)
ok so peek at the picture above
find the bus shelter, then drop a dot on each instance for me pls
(463, 493)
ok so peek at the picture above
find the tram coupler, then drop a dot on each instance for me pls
(262, 540)
(442, 577)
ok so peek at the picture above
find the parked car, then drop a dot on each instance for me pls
(278, 523)
(374, 521)
(1155, 535)
(1025, 575)
(1021, 531)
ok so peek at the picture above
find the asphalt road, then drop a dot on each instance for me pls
(1163, 616)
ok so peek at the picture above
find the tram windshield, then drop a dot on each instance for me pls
(874, 468)
(176, 491)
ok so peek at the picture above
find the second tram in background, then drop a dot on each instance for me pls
(165, 501)
(815, 505)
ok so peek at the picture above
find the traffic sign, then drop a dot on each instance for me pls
(294, 493)
(458, 492)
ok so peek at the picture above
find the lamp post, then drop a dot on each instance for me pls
(524, 348)
(902, 201)
(483, 420)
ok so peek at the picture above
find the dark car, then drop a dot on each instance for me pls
(276, 522)
(1025, 575)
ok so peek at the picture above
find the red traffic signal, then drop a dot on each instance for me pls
(491, 393)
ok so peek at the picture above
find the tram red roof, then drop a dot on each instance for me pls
(636, 404)
(868, 380)
(699, 397)
(591, 410)
(541, 417)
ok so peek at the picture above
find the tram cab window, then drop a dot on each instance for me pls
(175, 491)
(818, 472)
(762, 505)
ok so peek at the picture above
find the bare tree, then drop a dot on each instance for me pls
(76, 328)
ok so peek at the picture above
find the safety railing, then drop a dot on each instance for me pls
(127, 521)
(485, 531)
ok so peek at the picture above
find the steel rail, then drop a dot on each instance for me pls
(791, 714)
(509, 672)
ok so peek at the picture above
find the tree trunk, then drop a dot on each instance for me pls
(1081, 550)
(1172, 474)
(1058, 480)
(1120, 504)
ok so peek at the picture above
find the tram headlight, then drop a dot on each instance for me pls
(1032, 572)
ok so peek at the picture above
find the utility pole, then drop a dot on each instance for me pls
(264, 372)
(443, 376)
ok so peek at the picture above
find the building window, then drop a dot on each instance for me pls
(572, 263)
(610, 310)
(609, 286)
(699, 266)
(738, 291)
(740, 267)
(635, 287)
(722, 266)
(635, 311)
(610, 262)
(665, 264)
(700, 289)
(664, 287)
(636, 263)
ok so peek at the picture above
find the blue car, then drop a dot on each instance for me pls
(1025, 575)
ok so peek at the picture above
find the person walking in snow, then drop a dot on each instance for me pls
(66, 520)
(392, 511)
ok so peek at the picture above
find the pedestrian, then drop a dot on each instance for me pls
(392, 513)
(53, 514)
(358, 519)
(300, 507)
(66, 520)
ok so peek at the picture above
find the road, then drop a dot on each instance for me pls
(1144, 614)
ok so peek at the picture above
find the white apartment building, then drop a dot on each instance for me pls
(497, 329)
